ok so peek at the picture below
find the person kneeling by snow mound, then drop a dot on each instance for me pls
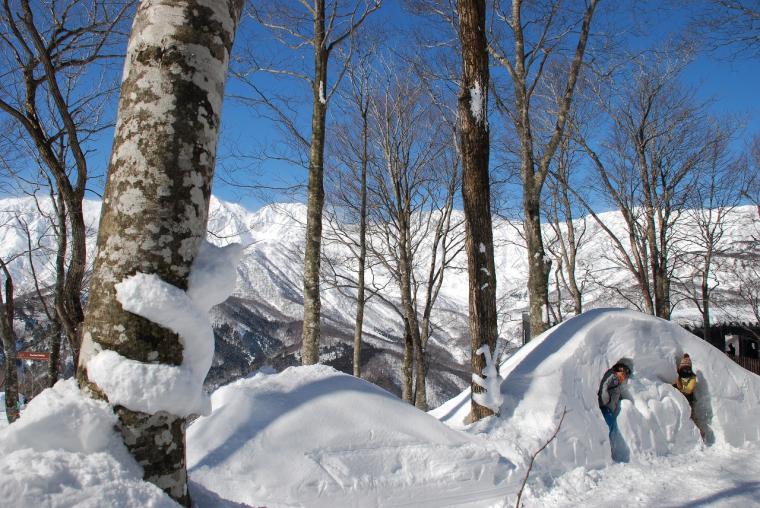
(610, 391)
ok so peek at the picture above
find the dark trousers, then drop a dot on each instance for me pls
(610, 418)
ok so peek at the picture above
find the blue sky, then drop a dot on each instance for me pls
(731, 83)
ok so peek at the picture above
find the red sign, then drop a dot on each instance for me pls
(33, 355)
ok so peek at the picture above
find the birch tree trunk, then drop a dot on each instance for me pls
(156, 201)
(476, 192)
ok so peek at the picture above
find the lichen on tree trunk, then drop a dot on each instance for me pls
(156, 201)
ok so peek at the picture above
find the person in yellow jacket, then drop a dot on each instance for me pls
(687, 380)
(686, 383)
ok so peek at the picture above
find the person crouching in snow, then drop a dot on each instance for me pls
(610, 390)
(686, 383)
(687, 380)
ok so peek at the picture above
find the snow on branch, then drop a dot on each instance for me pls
(178, 390)
(491, 398)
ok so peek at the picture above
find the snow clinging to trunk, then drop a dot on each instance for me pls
(178, 390)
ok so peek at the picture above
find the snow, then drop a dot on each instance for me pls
(491, 398)
(156, 387)
(561, 369)
(311, 436)
(477, 102)
(64, 452)
(322, 98)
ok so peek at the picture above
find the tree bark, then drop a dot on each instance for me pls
(412, 348)
(360, 299)
(476, 194)
(156, 201)
(9, 347)
(315, 195)
(60, 270)
(407, 365)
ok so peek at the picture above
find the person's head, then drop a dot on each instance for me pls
(685, 362)
(622, 371)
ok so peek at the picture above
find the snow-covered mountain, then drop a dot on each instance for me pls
(261, 323)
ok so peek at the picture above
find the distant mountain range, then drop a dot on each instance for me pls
(261, 323)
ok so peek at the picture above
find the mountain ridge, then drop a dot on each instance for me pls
(261, 323)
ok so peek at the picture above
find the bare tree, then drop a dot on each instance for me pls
(718, 190)
(156, 203)
(411, 193)
(330, 26)
(58, 225)
(731, 24)
(537, 32)
(349, 187)
(48, 51)
(647, 170)
(568, 227)
(476, 190)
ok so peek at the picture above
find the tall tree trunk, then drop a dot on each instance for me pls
(60, 279)
(420, 370)
(412, 348)
(316, 196)
(9, 347)
(476, 193)
(705, 293)
(706, 309)
(662, 281)
(538, 264)
(407, 365)
(571, 252)
(362, 251)
(156, 201)
(72, 297)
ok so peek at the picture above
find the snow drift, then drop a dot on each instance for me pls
(312, 436)
(64, 452)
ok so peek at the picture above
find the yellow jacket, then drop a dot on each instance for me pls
(686, 385)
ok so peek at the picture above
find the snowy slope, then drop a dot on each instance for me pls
(311, 436)
(355, 447)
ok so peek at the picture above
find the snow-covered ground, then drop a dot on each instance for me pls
(311, 436)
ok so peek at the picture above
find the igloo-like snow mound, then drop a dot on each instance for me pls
(313, 436)
(561, 370)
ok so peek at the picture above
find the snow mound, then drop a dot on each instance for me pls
(64, 452)
(561, 370)
(312, 436)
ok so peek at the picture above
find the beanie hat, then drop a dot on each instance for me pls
(685, 362)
